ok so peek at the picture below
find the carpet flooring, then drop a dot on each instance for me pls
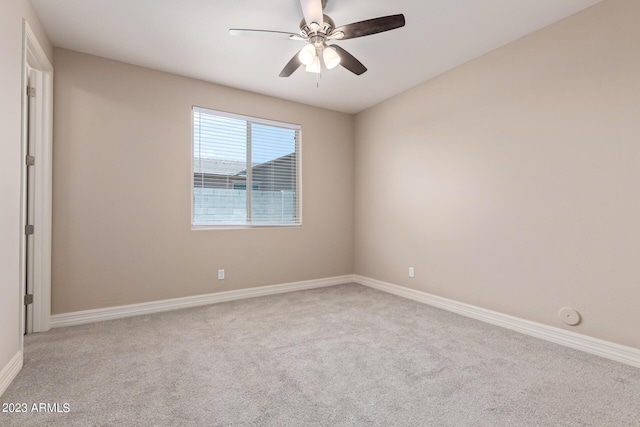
(338, 356)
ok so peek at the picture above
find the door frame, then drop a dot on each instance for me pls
(33, 56)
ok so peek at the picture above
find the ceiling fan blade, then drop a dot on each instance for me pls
(265, 33)
(368, 27)
(312, 11)
(291, 66)
(349, 62)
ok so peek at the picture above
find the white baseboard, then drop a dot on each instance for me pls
(606, 349)
(110, 313)
(10, 371)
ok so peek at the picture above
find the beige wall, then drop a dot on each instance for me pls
(12, 14)
(121, 193)
(512, 182)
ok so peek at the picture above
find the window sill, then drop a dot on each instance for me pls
(242, 226)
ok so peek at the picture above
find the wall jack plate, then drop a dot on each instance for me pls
(569, 316)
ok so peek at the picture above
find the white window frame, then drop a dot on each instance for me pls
(261, 121)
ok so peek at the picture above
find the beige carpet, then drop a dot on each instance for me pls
(338, 356)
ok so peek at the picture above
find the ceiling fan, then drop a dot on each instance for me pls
(317, 29)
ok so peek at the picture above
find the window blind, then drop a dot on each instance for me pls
(245, 170)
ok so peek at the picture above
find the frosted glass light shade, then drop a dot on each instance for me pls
(331, 57)
(314, 67)
(308, 54)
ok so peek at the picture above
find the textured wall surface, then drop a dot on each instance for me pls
(511, 182)
(122, 191)
(12, 14)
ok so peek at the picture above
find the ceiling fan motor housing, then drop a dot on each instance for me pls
(323, 32)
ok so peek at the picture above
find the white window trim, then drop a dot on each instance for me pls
(263, 121)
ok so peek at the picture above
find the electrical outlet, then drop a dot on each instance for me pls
(412, 272)
(221, 274)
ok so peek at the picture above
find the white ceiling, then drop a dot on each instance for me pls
(191, 38)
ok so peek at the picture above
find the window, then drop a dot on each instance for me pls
(245, 171)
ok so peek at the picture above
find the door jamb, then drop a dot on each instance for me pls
(34, 56)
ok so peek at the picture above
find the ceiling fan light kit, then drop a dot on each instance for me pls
(330, 57)
(316, 29)
(314, 67)
(308, 55)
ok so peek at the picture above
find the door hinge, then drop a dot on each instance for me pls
(31, 91)
(31, 160)
(28, 299)
(28, 229)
